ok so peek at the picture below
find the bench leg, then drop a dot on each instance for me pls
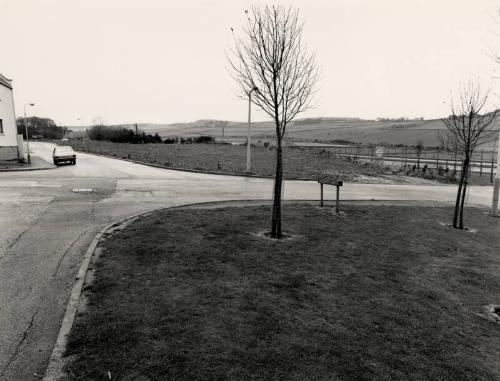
(337, 201)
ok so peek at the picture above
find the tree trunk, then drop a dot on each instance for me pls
(464, 190)
(459, 197)
(278, 179)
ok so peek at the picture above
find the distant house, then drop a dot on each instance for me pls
(8, 130)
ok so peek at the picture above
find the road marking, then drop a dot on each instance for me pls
(83, 190)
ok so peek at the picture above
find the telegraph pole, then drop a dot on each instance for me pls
(249, 164)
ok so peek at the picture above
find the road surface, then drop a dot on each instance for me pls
(46, 224)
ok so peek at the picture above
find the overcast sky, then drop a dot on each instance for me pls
(164, 61)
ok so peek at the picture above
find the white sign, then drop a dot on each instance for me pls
(379, 152)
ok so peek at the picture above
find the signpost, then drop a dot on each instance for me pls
(378, 155)
(379, 152)
(331, 181)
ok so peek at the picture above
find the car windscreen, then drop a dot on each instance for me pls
(64, 150)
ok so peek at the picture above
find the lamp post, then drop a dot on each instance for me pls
(249, 165)
(26, 130)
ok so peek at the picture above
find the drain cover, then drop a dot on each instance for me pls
(83, 190)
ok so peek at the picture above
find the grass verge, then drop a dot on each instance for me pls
(377, 293)
(299, 163)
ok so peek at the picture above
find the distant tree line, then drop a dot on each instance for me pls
(189, 140)
(121, 135)
(40, 128)
(128, 135)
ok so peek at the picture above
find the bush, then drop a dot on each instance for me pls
(204, 139)
(190, 140)
(121, 135)
(171, 140)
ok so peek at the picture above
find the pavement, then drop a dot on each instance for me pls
(49, 217)
(37, 163)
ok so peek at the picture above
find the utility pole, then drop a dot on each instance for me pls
(249, 164)
(26, 130)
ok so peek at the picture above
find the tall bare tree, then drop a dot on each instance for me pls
(465, 128)
(271, 60)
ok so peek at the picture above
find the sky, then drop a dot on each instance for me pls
(162, 61)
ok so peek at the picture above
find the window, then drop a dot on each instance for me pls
(1, 127)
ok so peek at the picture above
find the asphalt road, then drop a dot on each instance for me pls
(46, 225)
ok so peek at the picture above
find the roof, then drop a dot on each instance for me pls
(4, 81)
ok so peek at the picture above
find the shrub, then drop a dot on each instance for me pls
(121, 135)
(171, 140)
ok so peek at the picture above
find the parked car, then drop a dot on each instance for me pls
(63, 154)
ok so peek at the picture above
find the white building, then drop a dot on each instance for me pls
(8, 129)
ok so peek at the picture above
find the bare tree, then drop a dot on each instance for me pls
(272, 59)
(465, 128)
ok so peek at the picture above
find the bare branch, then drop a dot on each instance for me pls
(468, 122)
(272, 57)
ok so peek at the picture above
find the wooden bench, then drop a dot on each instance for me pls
(331, 181)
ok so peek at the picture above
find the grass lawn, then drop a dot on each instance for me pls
(299, 163)
(378, 293)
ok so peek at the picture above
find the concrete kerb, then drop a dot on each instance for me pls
(54, 369)
(37, 164)
(24, 169)
(20, 169)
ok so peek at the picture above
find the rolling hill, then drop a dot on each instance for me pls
(354, 130)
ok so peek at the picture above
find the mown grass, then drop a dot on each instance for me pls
(378, 293)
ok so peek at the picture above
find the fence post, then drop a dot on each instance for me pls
(496, 188)
(337, 201)
(491, 173)
(481, 168)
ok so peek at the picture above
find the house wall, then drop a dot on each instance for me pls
(8, 140)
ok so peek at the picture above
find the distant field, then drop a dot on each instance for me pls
(318, 129)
